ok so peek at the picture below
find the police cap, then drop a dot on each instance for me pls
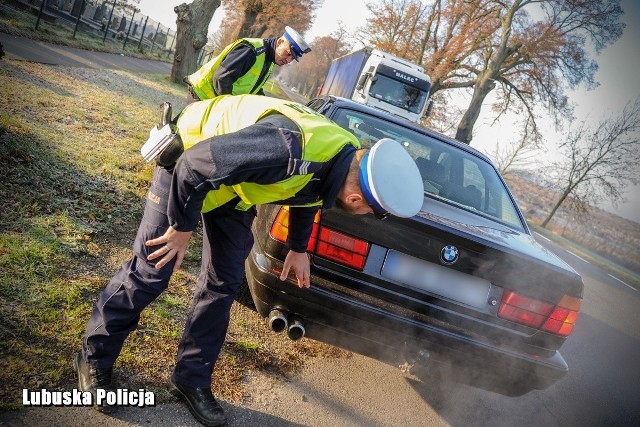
(298, 46)
(390, 180)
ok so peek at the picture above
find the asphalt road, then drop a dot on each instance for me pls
(30, 50)
(602, 387)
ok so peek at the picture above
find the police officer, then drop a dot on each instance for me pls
(244, 66)
(239, 151)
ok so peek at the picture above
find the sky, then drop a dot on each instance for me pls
(618, 76)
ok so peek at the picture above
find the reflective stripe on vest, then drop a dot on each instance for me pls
(321, 140)
(202, 80)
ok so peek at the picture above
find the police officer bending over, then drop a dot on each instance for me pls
(240, 151)
(244, 66)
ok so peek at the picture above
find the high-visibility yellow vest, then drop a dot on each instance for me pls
(201, 80)
(321, 140)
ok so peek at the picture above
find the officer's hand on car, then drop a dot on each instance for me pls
(175, 245)
(299, 262)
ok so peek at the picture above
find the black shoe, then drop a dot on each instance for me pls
(90, 379)
(201, 403)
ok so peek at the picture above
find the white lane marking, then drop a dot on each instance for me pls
(579, 257)
(548, 240)
(628, 286)
(584, 260)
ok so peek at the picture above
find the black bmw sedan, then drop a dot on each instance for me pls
(461, 291)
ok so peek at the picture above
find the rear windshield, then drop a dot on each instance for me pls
(448, 173)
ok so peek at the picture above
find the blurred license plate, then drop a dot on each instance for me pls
(436, 279)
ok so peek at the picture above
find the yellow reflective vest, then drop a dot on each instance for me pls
(201, 80)
(321, 140)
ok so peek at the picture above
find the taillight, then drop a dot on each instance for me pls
(558, 319)
(280, 226)
(342, 248)
(325, 242)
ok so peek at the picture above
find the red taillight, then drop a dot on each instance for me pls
(539, 314)
(563, 318)
(325, 242)
(280, 228)
(342, 248)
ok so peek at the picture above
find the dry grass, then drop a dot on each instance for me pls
(72, 196)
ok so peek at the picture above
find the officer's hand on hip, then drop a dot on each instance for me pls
(174, 245)
(299, 263)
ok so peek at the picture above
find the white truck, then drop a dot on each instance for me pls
(378, 79)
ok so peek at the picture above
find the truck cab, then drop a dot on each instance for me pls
(380, 80)
(394, 85)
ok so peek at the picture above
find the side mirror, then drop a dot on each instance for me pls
(429, 108)
(362, 81)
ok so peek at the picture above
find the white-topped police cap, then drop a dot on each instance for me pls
(298, 46)
(390, 180)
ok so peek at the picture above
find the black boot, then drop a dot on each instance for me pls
(201, 403)
(90, 379)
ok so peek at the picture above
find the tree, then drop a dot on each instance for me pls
(599, 163)
(309, 74)
(523, 152)
(192, 24)
(255, 18)
(262, 18)
(487, 45)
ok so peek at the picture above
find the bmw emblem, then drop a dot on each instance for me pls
(449, 254)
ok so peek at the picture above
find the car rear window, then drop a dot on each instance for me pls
(449, 173)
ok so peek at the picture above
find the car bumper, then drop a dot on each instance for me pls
(339, 319)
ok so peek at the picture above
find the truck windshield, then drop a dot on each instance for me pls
(398, 93)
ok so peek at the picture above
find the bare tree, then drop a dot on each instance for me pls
(523, 152)
(192, 25)
(487, 45)
(600, 162)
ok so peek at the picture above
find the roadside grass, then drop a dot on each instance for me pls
(71, 198)
(21, 23)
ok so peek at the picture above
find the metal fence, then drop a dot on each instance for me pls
(116, 20)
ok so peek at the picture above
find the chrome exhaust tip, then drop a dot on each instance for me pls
(278, 321)
(296, 330)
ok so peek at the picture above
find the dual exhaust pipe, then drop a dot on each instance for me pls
(279, 322)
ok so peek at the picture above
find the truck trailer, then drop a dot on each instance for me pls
(378, 79)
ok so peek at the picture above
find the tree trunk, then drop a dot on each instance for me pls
(555, 209)
(464, 133)
(192, 25)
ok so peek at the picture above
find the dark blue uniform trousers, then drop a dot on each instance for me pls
(227, 240)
